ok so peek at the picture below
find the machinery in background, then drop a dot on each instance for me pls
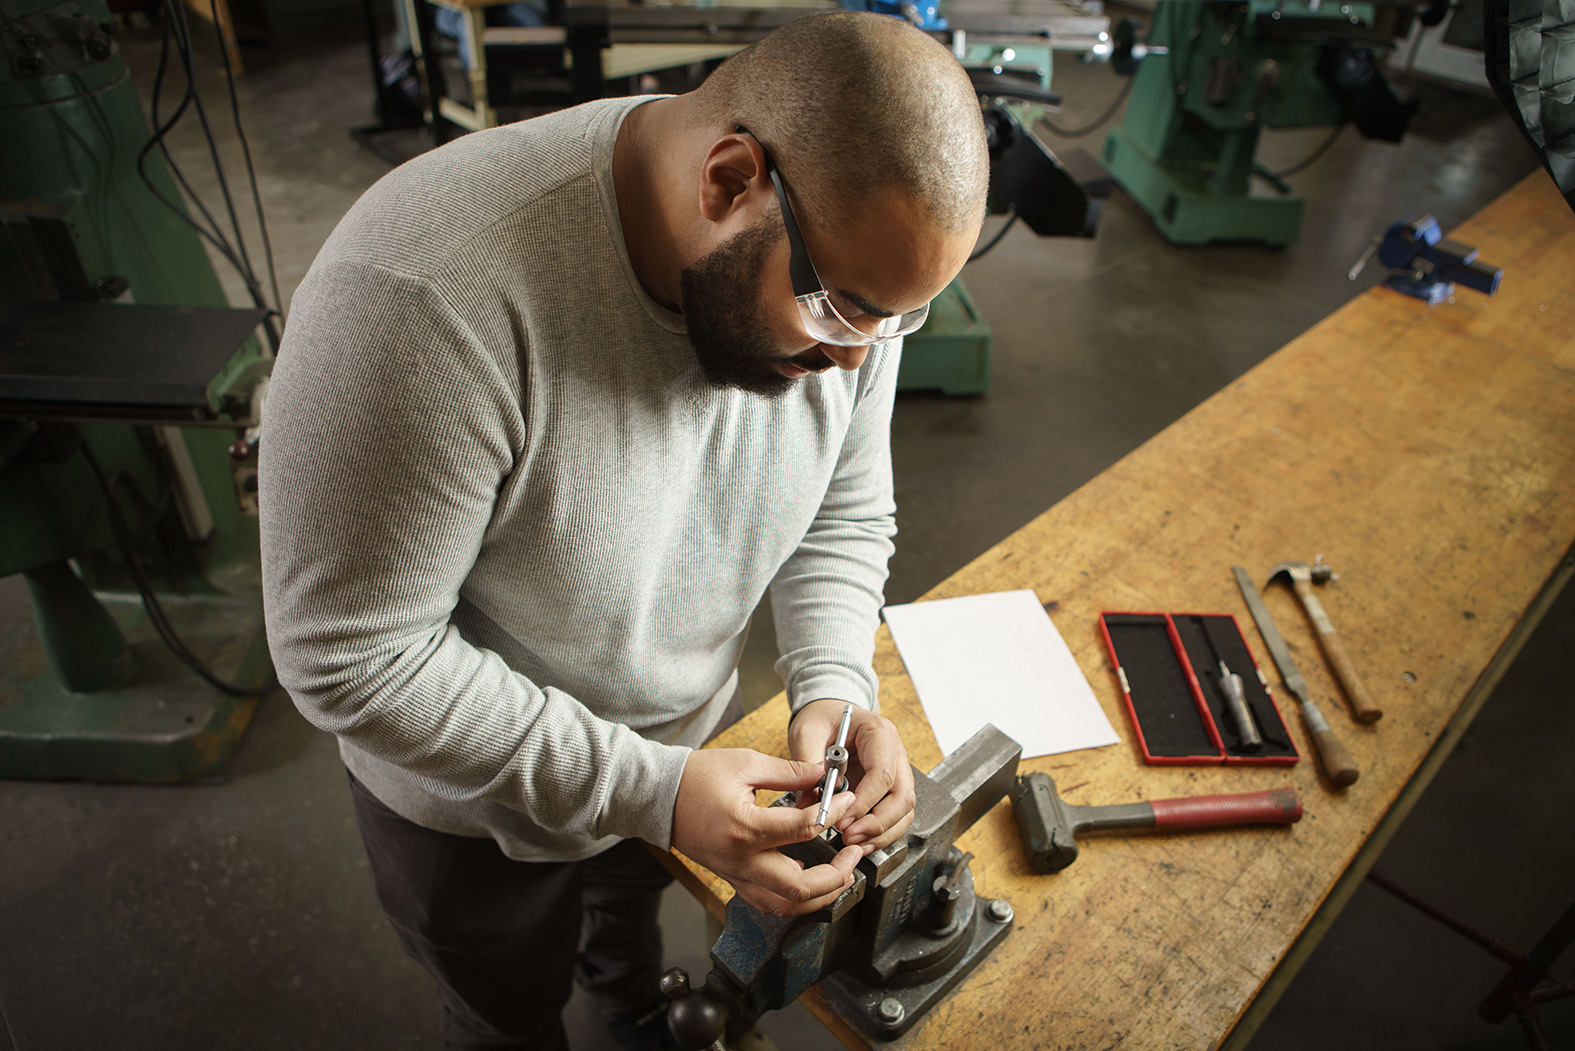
(926, 14)
(1185, 150)
(123, 381)
(1011, 66)
(1056, 195)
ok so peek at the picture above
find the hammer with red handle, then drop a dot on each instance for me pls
(1050, 825)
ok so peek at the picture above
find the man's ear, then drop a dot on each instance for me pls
(733, 177)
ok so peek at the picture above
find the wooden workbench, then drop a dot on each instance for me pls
(1429, 453)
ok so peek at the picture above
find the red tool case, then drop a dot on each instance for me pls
(1169, 675)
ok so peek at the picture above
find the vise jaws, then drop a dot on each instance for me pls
(892, 945)
(1426, 265)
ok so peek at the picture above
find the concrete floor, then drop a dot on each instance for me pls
(238, 914)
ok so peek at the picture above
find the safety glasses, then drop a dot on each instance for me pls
(822, 320)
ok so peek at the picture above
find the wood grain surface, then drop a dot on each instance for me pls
(1429, 454)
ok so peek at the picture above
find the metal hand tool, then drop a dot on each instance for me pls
(836, 763)
(1050, 825)
(1424, 264)
(1336, 760)
(1301, 577)
(1236, 704)
(1235, 696)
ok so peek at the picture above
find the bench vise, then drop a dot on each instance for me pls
(892, 945)
(1426, 265)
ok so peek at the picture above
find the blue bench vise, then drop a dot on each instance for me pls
(1425, 264)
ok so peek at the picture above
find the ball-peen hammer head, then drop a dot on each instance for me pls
(1320, 572)
(1291, 572)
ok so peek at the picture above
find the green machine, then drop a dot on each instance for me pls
(1054, 196)
(125, 381)
(1185, 150)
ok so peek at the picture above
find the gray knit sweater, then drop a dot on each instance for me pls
(511, 538)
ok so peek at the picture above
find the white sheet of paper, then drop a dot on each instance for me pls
(997, 658)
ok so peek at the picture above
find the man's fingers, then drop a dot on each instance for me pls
(879, 782)
(763, 899)
(782, 775)
(884, 799)
(800, 889)
(777, 905)
(780, 825)
(880, 827)
(885, 770)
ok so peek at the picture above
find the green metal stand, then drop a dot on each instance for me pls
(951, 353)
(1185, 149)
(1187, 210)
(84, 644)
(90, 691)
(161, 724)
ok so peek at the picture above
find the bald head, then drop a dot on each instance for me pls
(850, 103)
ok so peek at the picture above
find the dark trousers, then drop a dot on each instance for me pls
(501, 938)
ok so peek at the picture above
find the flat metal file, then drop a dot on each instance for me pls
(1336, 760)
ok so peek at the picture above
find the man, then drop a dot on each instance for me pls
(556, 405)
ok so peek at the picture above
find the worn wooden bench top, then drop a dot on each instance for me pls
(1429, 454)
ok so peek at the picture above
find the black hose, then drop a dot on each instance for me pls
(1101, 121)
(1011, 220)
(156, 615)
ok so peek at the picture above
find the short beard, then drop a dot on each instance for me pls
(720, 299)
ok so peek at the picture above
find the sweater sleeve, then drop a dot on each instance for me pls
(388, 433)
(826, 598)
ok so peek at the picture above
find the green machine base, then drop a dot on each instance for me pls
(1186, 211)
(161, 724)
(951, 353)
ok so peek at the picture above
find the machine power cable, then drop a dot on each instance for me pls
(210, 232)
(1099, 122)
(1311, 158)
(176, 27)
(156, 614)
(175, 14)
(246, 151)
(999, 234)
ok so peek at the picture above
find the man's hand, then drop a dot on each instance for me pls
(717, 823)
(878, 770)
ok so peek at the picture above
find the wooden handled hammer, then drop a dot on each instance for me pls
(1301, 577)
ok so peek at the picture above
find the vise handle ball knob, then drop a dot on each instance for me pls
(694, 1018)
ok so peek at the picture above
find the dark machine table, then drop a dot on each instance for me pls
(112, 359)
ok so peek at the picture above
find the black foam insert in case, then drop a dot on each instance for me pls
(1168, 664)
